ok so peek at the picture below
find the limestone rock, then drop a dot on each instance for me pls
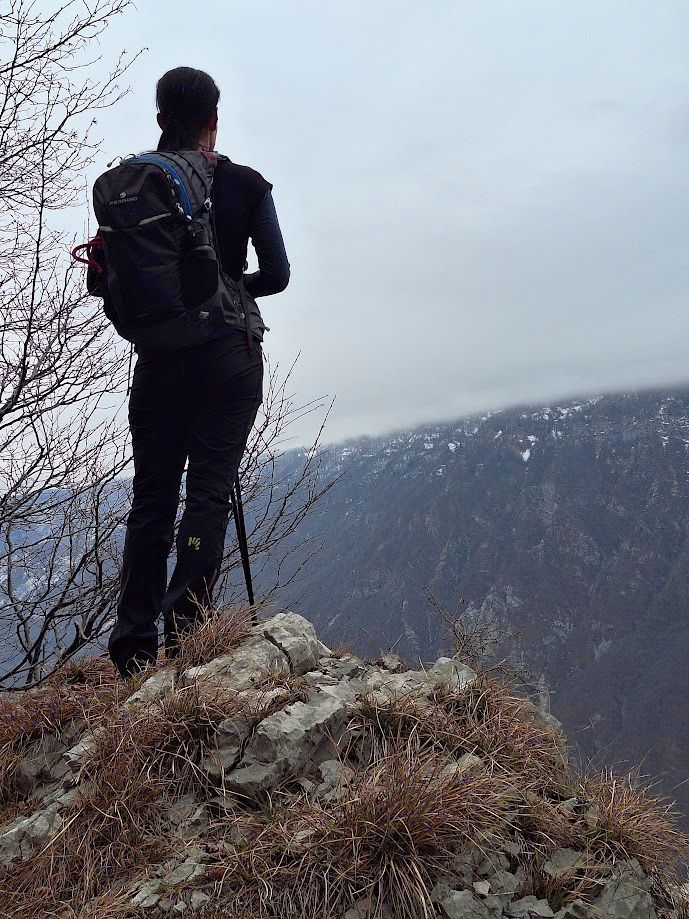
(342, 691)
(198, 900)
(251, 779)
(562, 861)
(464, 763)
(461, 904)
(156, 687)
(187, 871)
(377, 679)
(220, 763)
(451, 672)
(27, 835)
(482, 888)
(504, 885)
(321, 677)
(323, 650)
(243, 668)
(284, 742)
(355, 913)
(577, 910)
(362, 911)
(77, 754)
(335, 777)
(529, 908)
(148, 895)
(232, 734)
(510, 845)
(296, 638)
(341, 668)
(234, 730)
(536, 713)
(188, 817)
(571, 805)
(392, 661)
(592, 816)
(498, 861)
(626, 895)
(43, 762)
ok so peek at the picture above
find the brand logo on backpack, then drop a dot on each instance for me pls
(124, 199)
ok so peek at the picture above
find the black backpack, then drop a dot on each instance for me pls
(163, 285)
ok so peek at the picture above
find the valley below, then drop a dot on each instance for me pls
(564, 528)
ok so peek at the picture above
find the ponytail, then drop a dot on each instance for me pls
(186, 98)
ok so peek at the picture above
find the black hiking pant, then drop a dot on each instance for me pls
(196, 406)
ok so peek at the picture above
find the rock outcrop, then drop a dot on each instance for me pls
(290, 751)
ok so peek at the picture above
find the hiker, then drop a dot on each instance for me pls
(193, 405)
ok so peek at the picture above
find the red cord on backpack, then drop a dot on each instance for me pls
(93, 244)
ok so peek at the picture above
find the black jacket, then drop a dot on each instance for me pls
(244, 209)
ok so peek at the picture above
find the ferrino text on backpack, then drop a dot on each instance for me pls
(155, 259)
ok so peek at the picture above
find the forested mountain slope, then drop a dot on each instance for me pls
(567, 524)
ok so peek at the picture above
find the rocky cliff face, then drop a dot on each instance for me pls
(281, 779)
(568, 525)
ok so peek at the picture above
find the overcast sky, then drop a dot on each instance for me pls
(483, 202)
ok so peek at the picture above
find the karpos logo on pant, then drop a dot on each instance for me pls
(194, 542)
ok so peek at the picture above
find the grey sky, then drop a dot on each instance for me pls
(483, 203)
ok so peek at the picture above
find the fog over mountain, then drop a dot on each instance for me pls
(482, 203)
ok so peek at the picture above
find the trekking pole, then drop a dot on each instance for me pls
(238, 512)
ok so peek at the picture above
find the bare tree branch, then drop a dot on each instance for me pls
(64, 455)
(62, 503)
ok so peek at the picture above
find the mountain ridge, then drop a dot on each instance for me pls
(566, 524)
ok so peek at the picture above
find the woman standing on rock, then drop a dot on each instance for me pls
(197, 405)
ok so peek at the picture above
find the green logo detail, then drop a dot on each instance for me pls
(194, 542)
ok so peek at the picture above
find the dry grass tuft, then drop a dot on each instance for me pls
(77, 694)
(114, 904)
(158, 741)
(582, 883)
(141, 760)
(218, 632)
(87, 691)
(545, 826)
(498, 725)
(410, 806)
(377, 724)
(618, 817)
(90, 671)
(670, 899)
(486, 719)
(629, 820)
(404, 822)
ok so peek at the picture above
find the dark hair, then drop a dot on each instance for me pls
(186, 98)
